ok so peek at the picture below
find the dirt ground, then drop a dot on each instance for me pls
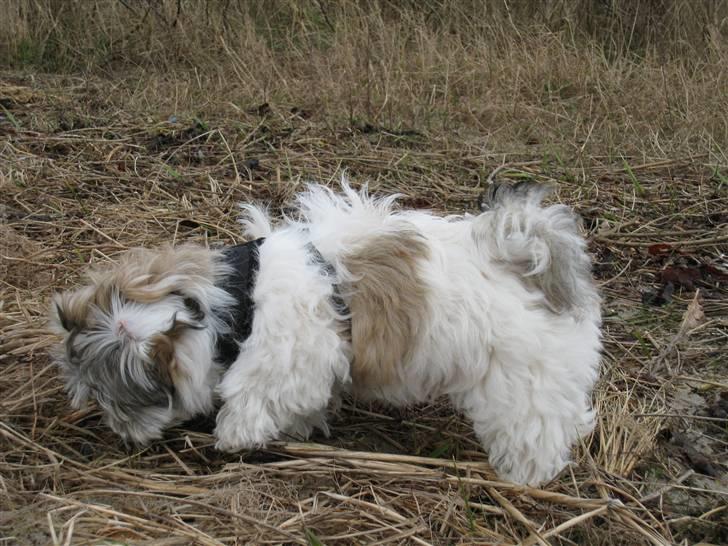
(83, 177)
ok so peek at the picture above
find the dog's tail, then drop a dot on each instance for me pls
(540, 244)
(255, 221)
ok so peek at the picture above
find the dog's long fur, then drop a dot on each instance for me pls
(497, 311)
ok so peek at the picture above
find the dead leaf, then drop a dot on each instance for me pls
(685, 277)
(694, 315)
(715, 272)
(659, 249)
(11, 95)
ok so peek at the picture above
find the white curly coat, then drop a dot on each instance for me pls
(511, 333)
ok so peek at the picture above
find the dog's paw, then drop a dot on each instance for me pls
(236, 431)
(229, 443)
(230, 447)
(303, 426)
(534, 469)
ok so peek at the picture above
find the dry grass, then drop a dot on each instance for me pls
(150, 131)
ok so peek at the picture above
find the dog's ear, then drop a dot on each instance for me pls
(67, 318)
(61, 317)
(68, 311)
(162, 349)
(162, 354)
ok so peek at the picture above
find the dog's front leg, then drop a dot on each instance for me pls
(276, 388)
(281, 383)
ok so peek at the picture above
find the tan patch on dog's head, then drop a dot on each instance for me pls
(148, 276)
(388, 303)
(142, 275)
(163, 353)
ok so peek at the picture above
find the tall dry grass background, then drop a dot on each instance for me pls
(136, 122)
(613, 76)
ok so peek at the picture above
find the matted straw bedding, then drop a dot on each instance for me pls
(80, 184)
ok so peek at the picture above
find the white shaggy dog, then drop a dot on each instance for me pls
(498, 311)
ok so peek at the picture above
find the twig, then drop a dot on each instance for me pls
(567, 524)
(517, 515)
(704, 381)
(684, 416)
(689, 243)
(491, 177)
(664, 489)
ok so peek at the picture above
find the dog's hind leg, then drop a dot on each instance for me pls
(528, 417)
(288, 369)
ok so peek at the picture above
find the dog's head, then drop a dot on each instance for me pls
(139, 339)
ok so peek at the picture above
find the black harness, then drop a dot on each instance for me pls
(244, 262)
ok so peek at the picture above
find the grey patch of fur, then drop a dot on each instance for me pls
(541, 244)
(524, 191)
(136, 402)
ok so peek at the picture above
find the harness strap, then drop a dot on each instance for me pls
(330, 271)
(244, 262)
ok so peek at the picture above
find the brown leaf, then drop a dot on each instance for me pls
(694, 315)
(715, 272)
(685, 277)
(659, 249)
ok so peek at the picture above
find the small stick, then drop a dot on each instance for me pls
(664, 489)
(704, 381)
(186, 468)
(567, 525)
(517, 515)
(684, 416)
